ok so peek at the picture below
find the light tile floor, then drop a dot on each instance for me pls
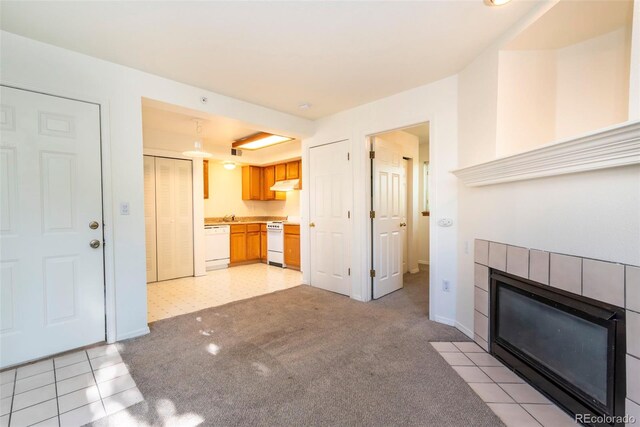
(70, 390)
(515, 402)
(186, 295)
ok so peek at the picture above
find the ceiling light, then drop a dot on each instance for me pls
(259, 140)
(197, 145)
(229, 165)
(496, 2)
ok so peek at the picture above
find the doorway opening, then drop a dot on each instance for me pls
(400, 215)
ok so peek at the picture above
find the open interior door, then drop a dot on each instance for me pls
(387, 251)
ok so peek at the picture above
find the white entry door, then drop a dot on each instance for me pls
(387, 170)
(52, 279)
(329, 222)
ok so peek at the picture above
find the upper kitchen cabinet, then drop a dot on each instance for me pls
(562, 77)
(281, 171)
(268, 179)
(293, 170)
(251, 183)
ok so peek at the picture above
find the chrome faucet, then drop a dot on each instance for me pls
(229, 218)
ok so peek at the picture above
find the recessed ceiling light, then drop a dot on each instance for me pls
(259, 140)
(304, 106)
(496, 2)
(229, 165)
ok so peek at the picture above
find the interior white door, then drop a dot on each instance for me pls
(150, 216)
(51, 279)
(387, 204)
(174, 218)
(329, 222)
(403, 207)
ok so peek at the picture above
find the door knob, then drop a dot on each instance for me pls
(95, 243)
(312, 224)
(93, 225)
(403, 224)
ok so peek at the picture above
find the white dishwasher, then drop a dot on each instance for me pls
(217, 250)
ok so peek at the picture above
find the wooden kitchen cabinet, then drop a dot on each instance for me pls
(238, 242)
(292, 245)
(268, 179)
(293, 170)
(253, 245)
(251, 183)
(281, 172)
(263, 242)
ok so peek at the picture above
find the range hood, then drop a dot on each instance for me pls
(286, 185)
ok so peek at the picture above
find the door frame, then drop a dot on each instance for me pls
(368, 141)
(107, 201)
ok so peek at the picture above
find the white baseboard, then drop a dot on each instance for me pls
(468, 332)
(133, 334)
(445, 320)
(423, 262)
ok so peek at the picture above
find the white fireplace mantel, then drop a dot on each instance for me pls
(609, 148)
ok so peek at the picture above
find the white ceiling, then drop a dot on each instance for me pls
(333, 55)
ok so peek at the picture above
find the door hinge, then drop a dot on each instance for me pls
(372, 273)
(372, 214)
(348, 271)
(372, 154)
(348, 214)
(348, 156)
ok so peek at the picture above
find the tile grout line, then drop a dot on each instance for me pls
(97, 387)
(55, 385)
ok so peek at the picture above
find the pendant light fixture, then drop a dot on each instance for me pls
(197, 144)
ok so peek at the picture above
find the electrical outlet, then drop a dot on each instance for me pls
(124, 208)
(445, 285)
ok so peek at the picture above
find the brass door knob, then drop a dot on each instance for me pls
(95, 243)
(312, 224)
(403, 224)
(94, 224)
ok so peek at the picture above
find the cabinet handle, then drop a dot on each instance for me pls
(312, 224)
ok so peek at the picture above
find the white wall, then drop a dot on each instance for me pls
(593, 214)
(225, 196)
(593, 84)
(437, 104)
(119, 90)
(423, 221)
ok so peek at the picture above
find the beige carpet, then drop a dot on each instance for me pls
(298, 357)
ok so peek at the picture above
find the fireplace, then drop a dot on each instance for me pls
(570, 347)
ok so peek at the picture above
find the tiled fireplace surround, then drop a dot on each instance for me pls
(617, 284)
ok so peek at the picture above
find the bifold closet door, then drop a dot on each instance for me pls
(150, 216)
(174, 218)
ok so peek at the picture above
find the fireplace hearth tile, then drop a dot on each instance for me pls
(633, 410)
(456, 359)
(603, 281)
(539, 266)
(518, 261)
(472, 374)
(633, 288)
(633, 379)
(491, 393)
(481, 252)
(483, 359)
(481, 325)
(498, 256)
(481, 300)
(513, 415)
(444, 347)
(502, 374)
(633, 333)
(468, 347)
(481, 277)
(565, 272)
(550, 415)
(524, 393)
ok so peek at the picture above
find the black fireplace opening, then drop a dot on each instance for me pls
(569, 347)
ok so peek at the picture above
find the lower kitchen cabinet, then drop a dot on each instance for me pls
(248, 242)
(292, 245)
(238, 243)
(253, 246)
(263, 242)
